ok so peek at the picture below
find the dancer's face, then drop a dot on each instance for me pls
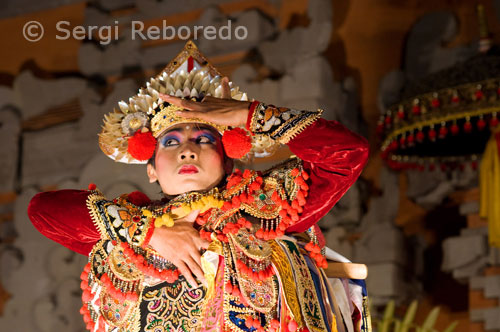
(188, 157)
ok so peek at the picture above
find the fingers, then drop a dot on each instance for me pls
(186, 272)
(170, 99)
(184, 103)
(194, 264)
(188, 258)
(226, 90)
(189, 266)
(198, 242)
(201, 243)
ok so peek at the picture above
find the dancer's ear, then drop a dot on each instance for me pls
(153, 177)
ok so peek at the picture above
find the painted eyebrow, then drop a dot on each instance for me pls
(204, 131)
(170, 135)
(207, 133)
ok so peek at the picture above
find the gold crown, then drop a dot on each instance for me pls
(166, 117)
(189, 75)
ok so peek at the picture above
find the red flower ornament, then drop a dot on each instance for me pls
(236, 143)
(142, 146)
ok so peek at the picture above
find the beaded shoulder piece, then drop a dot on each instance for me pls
(119, 219)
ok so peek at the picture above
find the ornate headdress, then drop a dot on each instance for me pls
(130, 132)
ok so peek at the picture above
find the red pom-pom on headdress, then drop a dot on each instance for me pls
(142, 146)
(236, 143)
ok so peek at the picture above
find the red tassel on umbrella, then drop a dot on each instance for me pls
(443, 131)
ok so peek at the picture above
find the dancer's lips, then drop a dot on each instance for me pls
(188, 169)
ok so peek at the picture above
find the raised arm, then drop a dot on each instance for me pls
(332, 155)
(334, 158)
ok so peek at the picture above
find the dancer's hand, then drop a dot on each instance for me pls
(223, 111)
(181, 244)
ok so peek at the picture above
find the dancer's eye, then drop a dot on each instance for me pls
(205, 139)
(169, 141)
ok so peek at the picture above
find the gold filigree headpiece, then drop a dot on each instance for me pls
(129, 132)
(166, 117)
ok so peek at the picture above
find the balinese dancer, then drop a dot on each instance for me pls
(224, 250)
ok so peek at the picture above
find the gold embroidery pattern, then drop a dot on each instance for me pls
(289, 291)
(306, 291)
(261, 295)
(121, 221)
(251, 246)
(281, 123)
(263, 206)
(282, 175)
(235, 313)
(172, 307)
(367, 320)
(96, 214)
(118, 265)
(295, 126)
(116, 313)
(218, 218)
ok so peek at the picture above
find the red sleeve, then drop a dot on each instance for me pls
(63, 216)
(334, 158)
